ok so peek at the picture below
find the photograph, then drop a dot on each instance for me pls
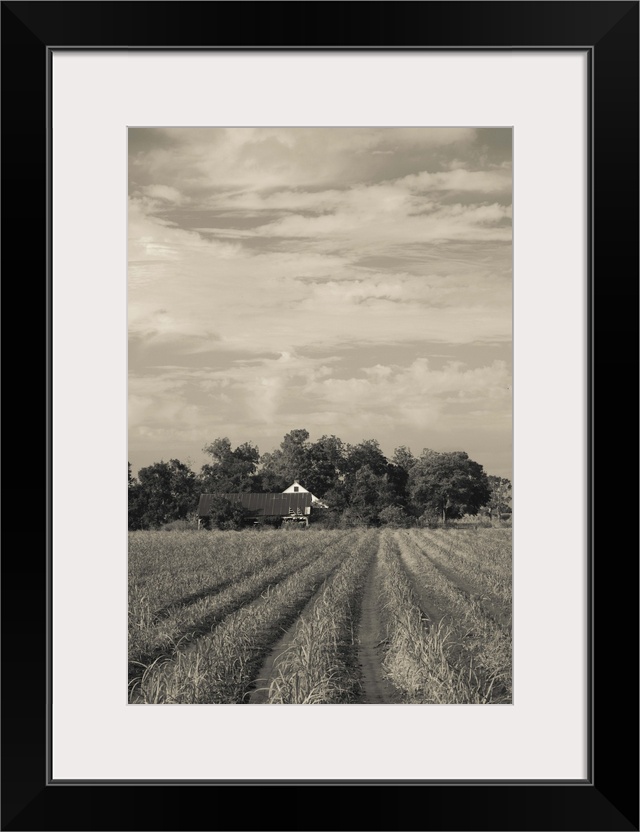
(331, 285)
(320, 454)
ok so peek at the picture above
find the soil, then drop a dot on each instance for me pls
(376, 688)
(260, 695)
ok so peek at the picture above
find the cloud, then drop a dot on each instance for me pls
(158, 407)
(153, 238)
(165, 193)
(290, 389)
(414, 394)
(256, 158)
(391, 220)
(297, 242)
(271, 309)
(461, 179)
(373, 214)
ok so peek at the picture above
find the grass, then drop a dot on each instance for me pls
(151, 636)
(220, 667)
(207, 608)
(169, 571)
(476, 642)
(481, 556)
(319, 664)
(420, 658)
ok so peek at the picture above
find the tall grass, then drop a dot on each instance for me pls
(170, 571)
(419, 658)
(483, 556)
(168, 567)
(220, 667)
(206, 608)
(319, 664)
(475, 640)
(157, 634)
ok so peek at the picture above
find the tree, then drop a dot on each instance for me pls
(500, 497)
(165, 491)
(134, 500)
(318, 466)
(231, 470)
(403, 458)
(225, 514)
(449, 483)
(370, 494)
(393, 516)
(293, 455)
(337, 498)
(288, 463)
(326, 465)
(366, 453)
(398, 473)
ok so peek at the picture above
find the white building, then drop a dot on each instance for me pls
(296, 488)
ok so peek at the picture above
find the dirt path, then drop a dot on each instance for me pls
(260, 695)
(377, 689)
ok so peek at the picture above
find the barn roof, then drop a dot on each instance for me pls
(260, 505)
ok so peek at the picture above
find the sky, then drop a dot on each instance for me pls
(350, 281)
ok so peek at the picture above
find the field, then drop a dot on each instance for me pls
(320, 617)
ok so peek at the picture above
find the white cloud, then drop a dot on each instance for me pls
(256, 240)
(460, 179)
(414, 394)
(165, 193)
(290, 389)
(257, 158)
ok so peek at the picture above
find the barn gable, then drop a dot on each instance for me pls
(296, 488)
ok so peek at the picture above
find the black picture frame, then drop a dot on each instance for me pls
(608, 798)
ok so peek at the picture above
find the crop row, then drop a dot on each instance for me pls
(486, 567)
(150, 639)
(169, 568)
(319, 664)
(220, 667)
(492, 593)
(418, 658)
(488, 549)
(473, 638)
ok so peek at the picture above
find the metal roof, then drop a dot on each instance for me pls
(260, 505)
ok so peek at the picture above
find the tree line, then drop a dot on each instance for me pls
(357, 482)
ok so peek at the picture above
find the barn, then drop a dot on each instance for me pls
(290, 506)
(296, 488)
